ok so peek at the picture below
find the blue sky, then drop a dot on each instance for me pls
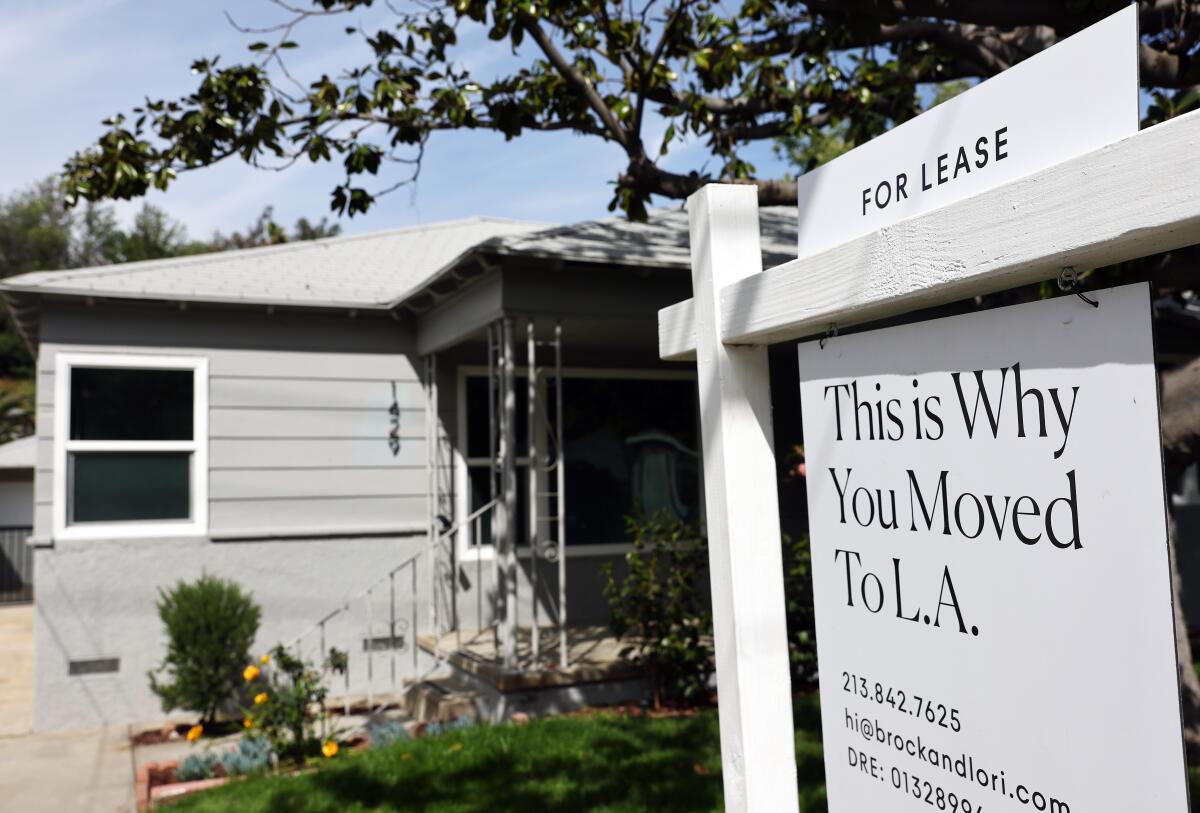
(68, 64)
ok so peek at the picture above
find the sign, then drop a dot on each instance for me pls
(990, 571)
(1073, 98)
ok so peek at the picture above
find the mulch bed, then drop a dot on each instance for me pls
(175, 731)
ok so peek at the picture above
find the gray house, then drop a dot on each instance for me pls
(17, 459)
(416, 445)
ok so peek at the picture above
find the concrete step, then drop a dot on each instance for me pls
(444, 698)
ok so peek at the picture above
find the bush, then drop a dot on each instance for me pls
(210, 626)
(289, 700)
(196, 766)
(252, 754)
(660, 608)
(801, 622)
(382, 733)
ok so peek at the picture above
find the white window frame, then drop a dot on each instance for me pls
(462, 463)
(197, 525)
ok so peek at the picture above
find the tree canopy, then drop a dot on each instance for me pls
(643, 76)
(38, 232)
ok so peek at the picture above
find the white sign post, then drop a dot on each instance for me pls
(992, 590)
(744, 546)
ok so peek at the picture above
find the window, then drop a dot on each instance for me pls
(130, 440)
(631, 440)
(632, 451)
(478, 462)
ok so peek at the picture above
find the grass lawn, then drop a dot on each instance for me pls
(600, 763)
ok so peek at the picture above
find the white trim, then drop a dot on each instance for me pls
(1130, 199)
(624, 373)
(462, 462)
(197, 446)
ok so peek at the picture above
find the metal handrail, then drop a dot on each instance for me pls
(474, 518)
(441, 537)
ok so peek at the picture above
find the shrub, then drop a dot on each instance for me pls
(251, 754)
(382, 733)
(448, 726)
(801, 622)
(196, 766)
(660, 608)
(210, 626)
(289, 700)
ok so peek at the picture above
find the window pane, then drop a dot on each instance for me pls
(478, 481)
(478, 477)
(632, 450)
(477, 416)
(114, 486)
(109, 403)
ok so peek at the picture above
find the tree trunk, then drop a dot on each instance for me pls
(1189, 683)
(1180, 405)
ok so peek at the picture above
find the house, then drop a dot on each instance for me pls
(17, 460)
(349, 428)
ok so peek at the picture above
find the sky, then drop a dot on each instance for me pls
(65, 65)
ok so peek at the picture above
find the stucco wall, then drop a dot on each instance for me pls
(96, 600)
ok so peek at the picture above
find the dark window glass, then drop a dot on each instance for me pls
(115, 486)
(632, 450)
(481, 493)
(477, 416)
(109, 403)
(478, 477)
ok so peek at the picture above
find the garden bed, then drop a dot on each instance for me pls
(614, 760)
(156, 782)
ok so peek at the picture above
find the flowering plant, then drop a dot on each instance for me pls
(289, 702)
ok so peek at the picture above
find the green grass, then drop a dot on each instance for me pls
(603, 763)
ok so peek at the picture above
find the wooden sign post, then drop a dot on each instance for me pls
(745, 554)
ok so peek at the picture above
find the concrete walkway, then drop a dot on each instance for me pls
(16, 669)
(86, 771)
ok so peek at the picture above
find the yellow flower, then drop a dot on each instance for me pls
(329, 749)
(194, 733)
(456, 747)
(247, 723)
(260, 698)
(250, 673)
(264, 660)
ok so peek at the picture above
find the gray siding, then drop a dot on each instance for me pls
(308, 505)
(298, 432)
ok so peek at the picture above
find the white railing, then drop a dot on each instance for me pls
(401, 622)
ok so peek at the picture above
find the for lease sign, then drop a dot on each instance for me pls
(990, 572)
(1075, 97)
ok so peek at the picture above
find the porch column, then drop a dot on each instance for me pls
(506, 537)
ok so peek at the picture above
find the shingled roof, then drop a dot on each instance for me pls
(374, 270)
(380, 270)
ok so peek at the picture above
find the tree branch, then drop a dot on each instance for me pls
(648, 178)
(579, 81)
